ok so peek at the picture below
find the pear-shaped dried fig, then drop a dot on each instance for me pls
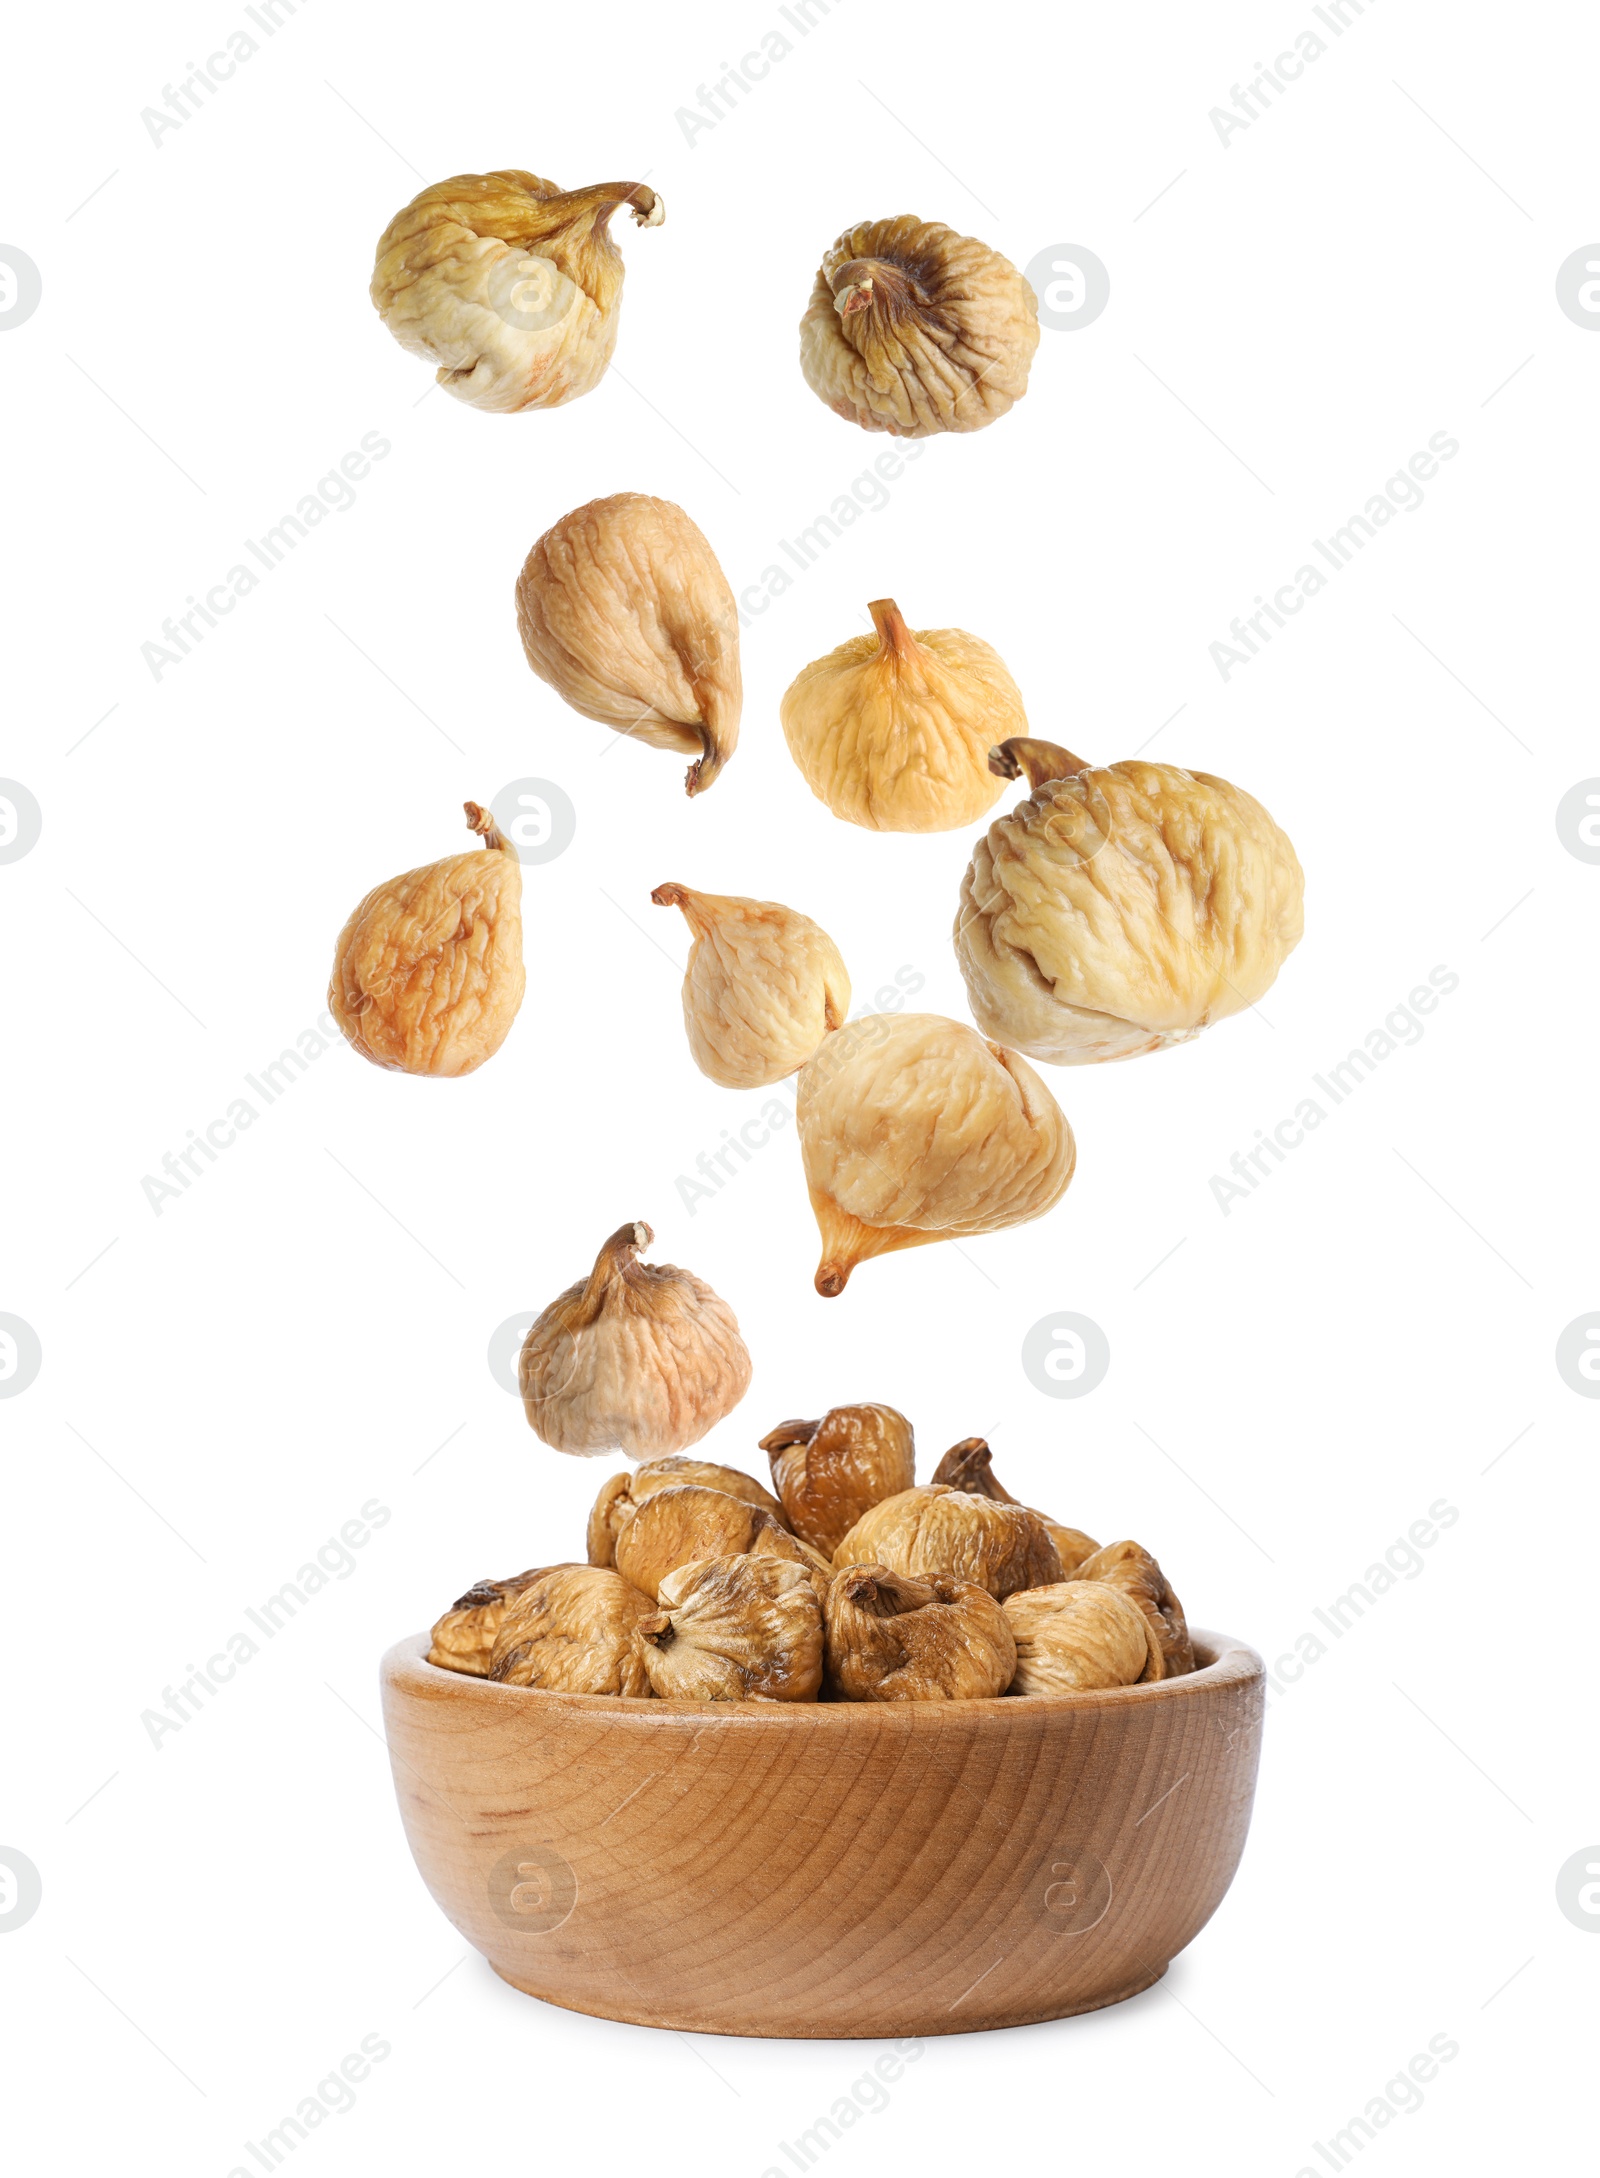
(969, 1466)
(621, 1497)
(763, 987)
(570, 1630)
(511, 286)
(913, 328)
(464, 1639)
(641, 1358)
(892, 730)
(734, 1629)
(829, 1472)
(891, 1638)
(1121, 909)
(624, 611)
(1130, 1567)
(934, 1529)
(1077, 1635)
(914, 1129)
(673, 1527)
(427, 973)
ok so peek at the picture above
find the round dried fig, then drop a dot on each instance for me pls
(913, 328)
(512, 286)
(829, 1472)
(464, 1639)
(623, 609)
(894, 1639)
(1130, 1568)
(734, 1629)
(570, 1631)
(934, 1529)
(427, 973)
(763, 986)
(621, 1497)
(914, 1129)
(673, 1527)
(968, 1466)
(893, 730)
(1074, 1636)
(641, 1358)
(1121, 909)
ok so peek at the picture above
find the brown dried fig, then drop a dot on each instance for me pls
(913, 328)
(464, 1639)
(894, 1639)
(571, 1631)
(1077, 1635)
(763, 986)
(427, 973)
(675, 1526)
(512, 286)
(914, 1129)
(829, 1472)
(623, 609)
(621, 1497)
(969, 1466)
(734, 1629)
(933, 1529)
(641, 1358)
(892, 730)
(1130, 1567)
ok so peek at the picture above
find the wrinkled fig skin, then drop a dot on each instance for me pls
(968, 1466)
(624, 610)
(641, 1358)
(914, 1129)
(734, 1629)
(427, 973)
(621, 1497)
(464, 1639)
(1122, 909)
(892, 729)
(934, 1529)
(829, 1472)
(763, 986)
(891, 1638)
(511, 286)
(1076, 1636)
(1130, 1568)
(677, 1525)
(914, 329)
(571, 1631)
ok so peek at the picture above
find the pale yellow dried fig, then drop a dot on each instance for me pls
(641, 1358)
(511, 286)
(934, 1529)
(892, 1638)
(1130, 1568)
(464, 1639)
(1075, 1636)
(829, 1472)
(734, 1629)
(1121, 909)
(623, 609)
(969, 1466)
(621, 1497)
(913, 1129)
(427, 973)
(673, 1527)
(763, 987)
(570, 1631)
(893, 730)
(913, 328)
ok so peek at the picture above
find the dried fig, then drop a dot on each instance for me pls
(427, 973)
(934, 1529)
(828, 1473)
(464, 1639)
(571, 1631)
(893, 730)
(776, 1542)
(968, 1466)
(1130, 1567)
(1121, 909)
(734, 1629)
(914, 1129)
(891, 1638)
(763, 986)
(913, 328)
(1077, 1635)
(675, 1526)
(621, 1497)
(641, 1358)
(512, 286)
(623, 609)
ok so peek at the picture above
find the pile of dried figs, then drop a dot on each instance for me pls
(846, 1581)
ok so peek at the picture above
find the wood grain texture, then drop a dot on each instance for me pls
(827, 1869)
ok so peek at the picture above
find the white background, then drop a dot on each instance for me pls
(225, 1384)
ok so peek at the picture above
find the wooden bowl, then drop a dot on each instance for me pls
(832, 1868)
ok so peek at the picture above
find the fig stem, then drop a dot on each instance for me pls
(481, 821)
(894, 637)
(831, 1279)
(616, 1258)
(604, 198)
(787, 1434)
(1037, 761)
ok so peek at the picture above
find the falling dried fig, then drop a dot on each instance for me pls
(734, 1628)
(1121, 909)
(829, 1472)
(570, 1631)
(1130, 1568)
(427, 973)
(511, 286)
(892, 1638)
(763, 987)
(464, 1639)
(621, 1497)
(892, 730)
(673, 1527)
(641, 1358)
(969, 1466)
(914, 1129)
(934, 1529)
(913, 328)
(623, 609)
(1075, 1636)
